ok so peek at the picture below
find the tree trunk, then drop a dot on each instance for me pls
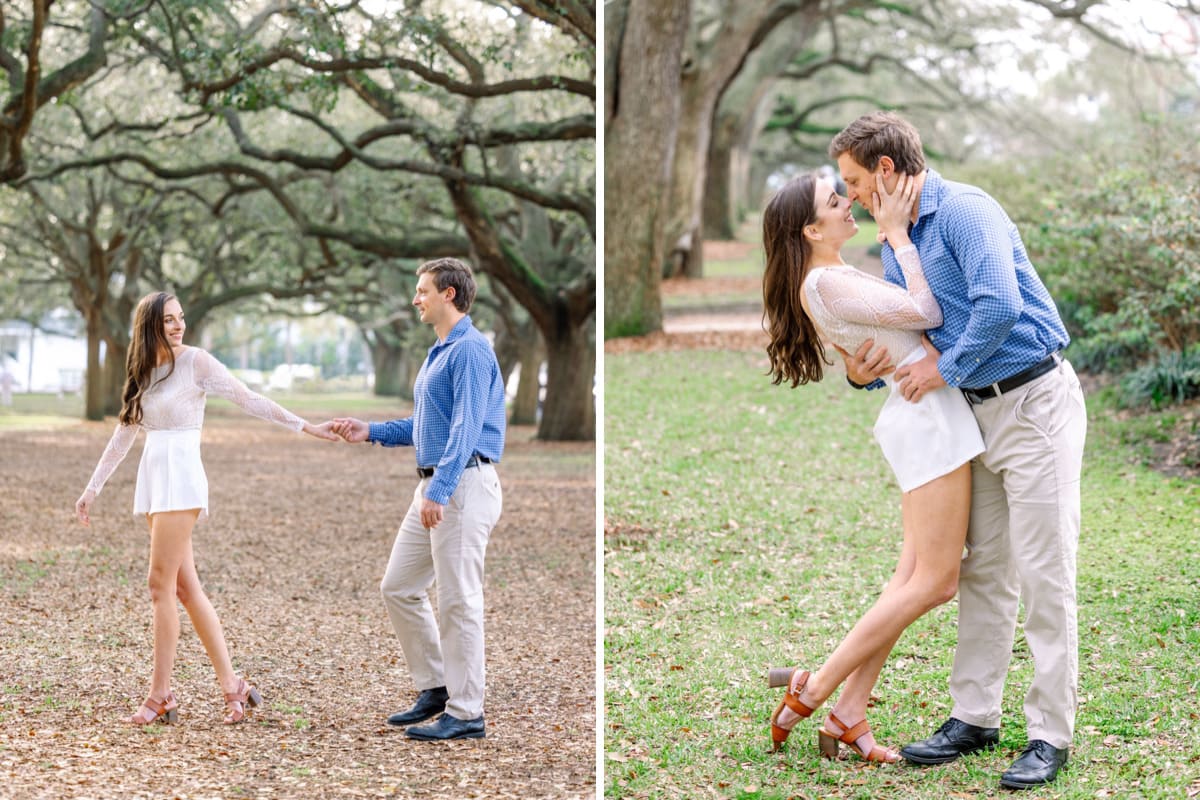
(525, 403)
(570, 377)
(94, 394)
(711, 67)
(641, 120)
(685, 234)
(394, 373)
(740, 115)
(114, 377)
(720, 212)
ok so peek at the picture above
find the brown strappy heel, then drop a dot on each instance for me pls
(165, 711)
(246, 695)
(828, 743)
(787, 676)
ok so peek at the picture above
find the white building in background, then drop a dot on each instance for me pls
(42, 362)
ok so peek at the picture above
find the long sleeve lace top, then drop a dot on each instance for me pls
(176, 403)
(849, 306)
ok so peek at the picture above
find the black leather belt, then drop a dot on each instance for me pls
(473, 461)
(976, 396)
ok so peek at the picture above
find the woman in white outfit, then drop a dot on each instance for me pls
(812, 296)
(165, 388)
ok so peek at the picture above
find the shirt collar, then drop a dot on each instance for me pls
(458, 331)
(931, 193)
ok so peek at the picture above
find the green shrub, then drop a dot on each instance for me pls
(1173, 378)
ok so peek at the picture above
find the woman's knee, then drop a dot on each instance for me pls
(186, 592)
(944, 591)
(162, 587)
(933, 587)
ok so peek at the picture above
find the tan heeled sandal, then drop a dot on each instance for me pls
(245, 697)
(828, 743)
(787, 676)
(165, 711)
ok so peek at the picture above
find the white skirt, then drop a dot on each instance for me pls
(170, 475)
(925, 440)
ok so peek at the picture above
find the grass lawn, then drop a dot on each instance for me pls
(750, 525)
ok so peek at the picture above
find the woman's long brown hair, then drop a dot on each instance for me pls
(149, 339)
(795, 349)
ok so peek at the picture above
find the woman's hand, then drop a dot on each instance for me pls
(893, 211)
(82, 506)
(322, 431)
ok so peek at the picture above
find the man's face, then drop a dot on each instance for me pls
(860, 182)
(431, 303)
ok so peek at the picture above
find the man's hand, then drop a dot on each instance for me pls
(921, 377)
(350, 429)
(865, 366)
(431, 512)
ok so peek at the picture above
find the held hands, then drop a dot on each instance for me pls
(322, 431)
(350, 429)
(865, 365)
(894, 211)
(921, 377)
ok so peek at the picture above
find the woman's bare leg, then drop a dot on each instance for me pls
(204, 619)
(935, 523)
(170, 540)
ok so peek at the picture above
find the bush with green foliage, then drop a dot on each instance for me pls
(1116, 238)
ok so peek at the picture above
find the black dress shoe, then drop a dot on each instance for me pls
(955, 738)
(1039, 764)
(448, 727)
(429, 703)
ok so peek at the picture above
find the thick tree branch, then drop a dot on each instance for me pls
(337, 66)
(576, 18)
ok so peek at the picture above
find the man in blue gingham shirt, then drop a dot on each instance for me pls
(998, 318)
(999, 344)
(457, 430)
(458, 410)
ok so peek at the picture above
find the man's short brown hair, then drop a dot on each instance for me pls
(449, 272)
(878, 134)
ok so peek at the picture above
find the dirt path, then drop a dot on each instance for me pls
(292, 558)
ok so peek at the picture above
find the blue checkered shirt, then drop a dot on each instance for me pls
(997, 317)
(458, 410)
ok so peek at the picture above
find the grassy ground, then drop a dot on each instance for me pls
(749, 525)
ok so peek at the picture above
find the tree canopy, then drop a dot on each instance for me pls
(311, 149)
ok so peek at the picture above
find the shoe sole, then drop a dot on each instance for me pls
(1015, 785)
(479, 735)
(412, 721)
(929, 762)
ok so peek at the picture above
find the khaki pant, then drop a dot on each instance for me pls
(1021, 543)
(447, 651)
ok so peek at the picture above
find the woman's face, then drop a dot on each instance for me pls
(173, 324)
(834, 218)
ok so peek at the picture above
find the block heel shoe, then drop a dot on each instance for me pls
(245, 697)
(165, 711)
(829, 743)
(795, 680)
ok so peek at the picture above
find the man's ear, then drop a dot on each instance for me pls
(450, 293)
(886, 166)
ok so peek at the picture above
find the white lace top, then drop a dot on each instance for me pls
(849, 306)
(177, 404)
